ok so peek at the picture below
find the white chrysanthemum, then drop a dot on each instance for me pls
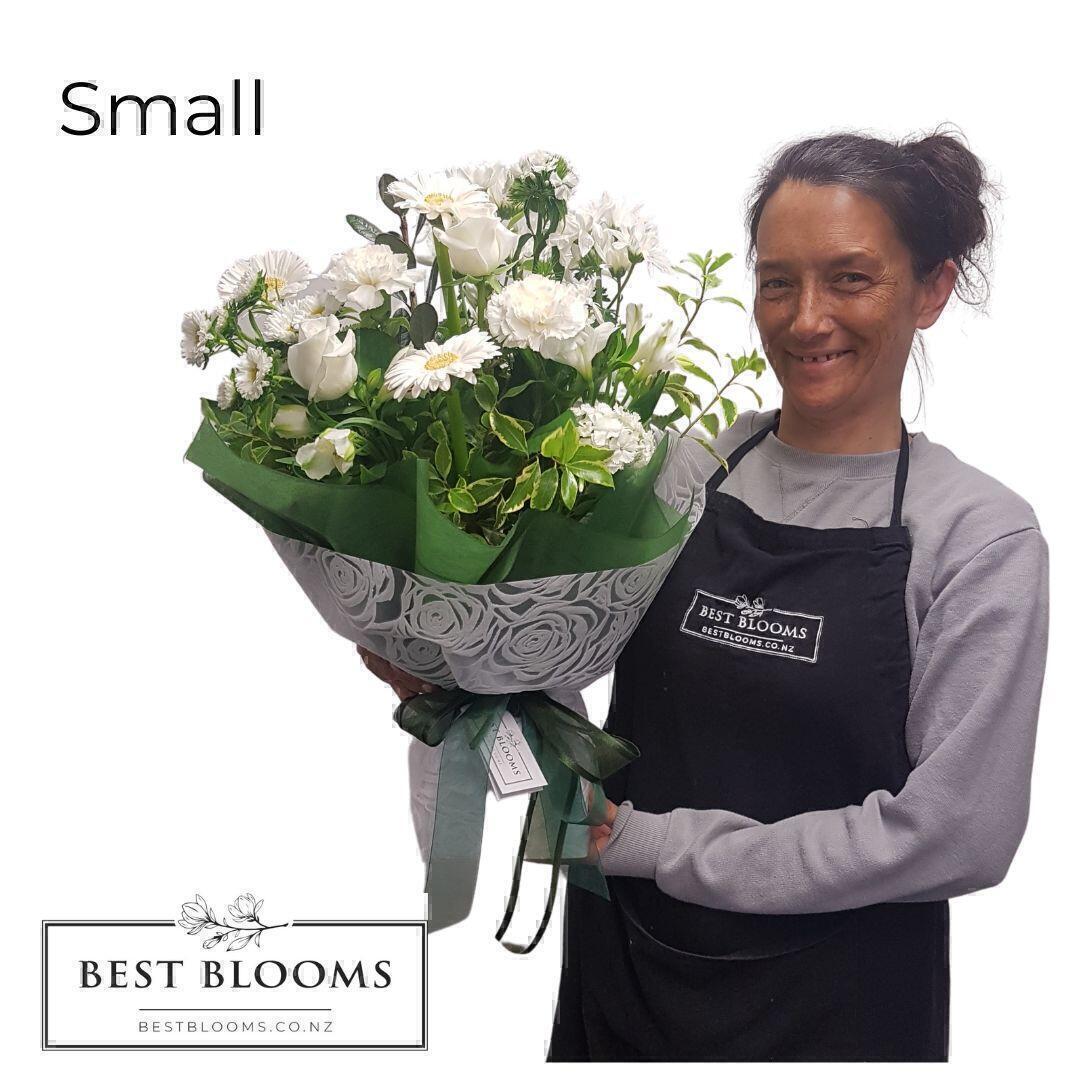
(611, 427)
(226, 393)
(285, 273)
(492, 176)
(194, 332)
(543, 162)
(413, 372)
(439, 194)
(539, 313)
(252, 373)
(615, 231)
(333, 449)
(283, 323)
(360, 276)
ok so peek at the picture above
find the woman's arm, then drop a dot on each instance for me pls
(957, 822)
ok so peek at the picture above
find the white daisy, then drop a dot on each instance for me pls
(194, 332)
(413, 372)
(539, 313)
(360, 276)
(286, 274)
(438, 194)
(251, 374)
(226, 393)
(283, 323)
(611, 427)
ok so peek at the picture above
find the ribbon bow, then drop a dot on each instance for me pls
(568, 749)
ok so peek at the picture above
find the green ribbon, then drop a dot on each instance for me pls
(569, 751)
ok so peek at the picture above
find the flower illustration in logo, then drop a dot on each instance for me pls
(752, 608)
(197, 915)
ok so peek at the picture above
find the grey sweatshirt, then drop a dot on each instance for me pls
(977, 608)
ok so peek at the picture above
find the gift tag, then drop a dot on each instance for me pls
(512, 769)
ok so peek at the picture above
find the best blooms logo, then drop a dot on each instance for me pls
(297, 984)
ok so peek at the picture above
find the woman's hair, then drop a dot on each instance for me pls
(933, 188)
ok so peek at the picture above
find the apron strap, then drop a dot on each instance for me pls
(899, 483)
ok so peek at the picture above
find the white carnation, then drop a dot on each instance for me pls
(360, 276)
(611, 427)
(538, 313)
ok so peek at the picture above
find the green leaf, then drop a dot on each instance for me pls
(680, 298)
(362, 226)
(423, 324)
(461, 499)
(388, 200)
(702, 442)
(443, 458)
(523, 488)
(588, 452)
(437, 430)
(731, 410)
(486, 391)
(568, 488)
(546, 487)
(701, 373)
(727, 300)
(519, 389)
(374, 349)
(509, 431)
(486, 489)
(371, 422)
(711, 423)
(697, 343)
(720, 260)
(593, 472)
(561, 444)
(757, 396)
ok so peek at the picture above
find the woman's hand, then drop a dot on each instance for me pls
(401, 682)
(600, 835)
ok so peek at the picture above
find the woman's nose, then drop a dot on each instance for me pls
(811, 318)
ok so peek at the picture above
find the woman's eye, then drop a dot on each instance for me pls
(852, 277)
(773, 283)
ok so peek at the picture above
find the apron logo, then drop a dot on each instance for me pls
(748, 624)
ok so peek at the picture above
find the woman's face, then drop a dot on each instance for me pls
(837, 302)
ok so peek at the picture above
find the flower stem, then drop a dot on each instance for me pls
(481, 304)
(446, 277)
(459, 448)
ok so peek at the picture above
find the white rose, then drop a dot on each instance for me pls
(292, 421)
(657, 348)
(333, 449)
(324, 366)
(477, 245)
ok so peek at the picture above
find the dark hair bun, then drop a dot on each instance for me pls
(934, 189)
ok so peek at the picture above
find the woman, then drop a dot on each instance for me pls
(835, 692)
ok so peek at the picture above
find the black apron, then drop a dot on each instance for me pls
(769, 677)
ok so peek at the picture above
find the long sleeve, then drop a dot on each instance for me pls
(955, 825)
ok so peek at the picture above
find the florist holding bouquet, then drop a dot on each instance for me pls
(835, 691)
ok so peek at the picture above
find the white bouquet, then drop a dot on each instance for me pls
(490, 496)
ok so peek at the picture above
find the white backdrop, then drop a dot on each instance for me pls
(177, 715)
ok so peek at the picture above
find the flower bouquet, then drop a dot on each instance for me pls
(478, 459)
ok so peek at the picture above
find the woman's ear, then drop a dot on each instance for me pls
(934, 293)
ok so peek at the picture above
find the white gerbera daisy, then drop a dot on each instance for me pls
(611, 427)
(194, 334)
(226, 393)
(413, 372)
(360, 276)
(252, 373)
(438, 194)
(283, 323)
(539, 313)
(285, 272)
